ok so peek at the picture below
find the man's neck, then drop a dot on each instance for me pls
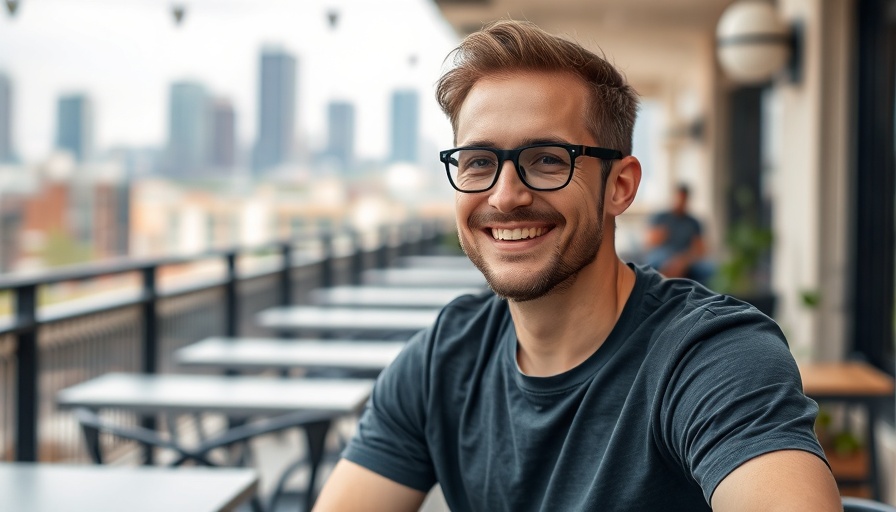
(559, 331)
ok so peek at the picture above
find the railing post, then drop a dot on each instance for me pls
(231, 321)
(419, 242)
(357, 256)
(286, 274)
(26, 374)
(415, 244)
(436, 235)
(150, 348)
(326, 241)
(382, 253)
(150, 360)
(428, 235)
(404, 239)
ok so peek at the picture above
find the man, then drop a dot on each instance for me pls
(581, 383)
(674, 241)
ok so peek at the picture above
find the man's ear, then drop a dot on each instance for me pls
(622, 185)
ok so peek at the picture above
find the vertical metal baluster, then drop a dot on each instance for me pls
(286, 274)
(326, 240)
(26, 374)
(149, 359)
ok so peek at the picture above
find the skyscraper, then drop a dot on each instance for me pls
(74, 129)
(341, 134)
(405, 126)
(223, 150)
(5, 118)
(277, 109)
(189, 129)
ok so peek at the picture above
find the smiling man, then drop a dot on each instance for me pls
(581, 382)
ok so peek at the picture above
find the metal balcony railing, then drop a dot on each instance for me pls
(136, 328)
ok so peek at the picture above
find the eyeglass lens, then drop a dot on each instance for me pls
(541, 167)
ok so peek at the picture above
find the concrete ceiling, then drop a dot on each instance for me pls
(657, 43)
(688, 15)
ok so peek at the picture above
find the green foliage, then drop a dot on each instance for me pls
(810, 298)
(63, 249)
(747, 244)
(842, 441)
(846, 443)
(450, 243)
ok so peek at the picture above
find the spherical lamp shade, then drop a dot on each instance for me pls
(753, 42)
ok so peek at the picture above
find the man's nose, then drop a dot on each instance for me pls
(509, 192)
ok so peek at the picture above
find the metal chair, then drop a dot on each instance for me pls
(863, 505)
(315, 426)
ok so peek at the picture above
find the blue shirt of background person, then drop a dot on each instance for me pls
(675, 243)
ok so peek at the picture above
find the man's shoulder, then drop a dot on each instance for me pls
(660, 217)
(688, 305)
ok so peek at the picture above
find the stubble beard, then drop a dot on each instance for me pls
(559, 273)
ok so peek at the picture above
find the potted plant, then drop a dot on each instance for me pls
(740, 274)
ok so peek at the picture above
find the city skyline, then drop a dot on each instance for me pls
(404, 126)
(74, 126)
(127, 70)
(6, 149)
(277, 110)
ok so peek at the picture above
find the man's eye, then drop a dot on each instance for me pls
(551, 160)
(480, 163)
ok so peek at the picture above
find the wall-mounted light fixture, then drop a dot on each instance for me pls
(754, 43)
(11, 6)
(178, 10)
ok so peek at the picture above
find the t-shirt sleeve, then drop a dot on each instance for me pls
(390, 439)
(734, 394)
(697, 227)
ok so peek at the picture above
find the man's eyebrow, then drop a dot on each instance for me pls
(480, 143)
(486, 143)
(544, 140)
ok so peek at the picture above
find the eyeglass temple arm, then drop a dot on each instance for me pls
(602, 153)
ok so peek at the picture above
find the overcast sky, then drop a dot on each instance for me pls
(126, 53)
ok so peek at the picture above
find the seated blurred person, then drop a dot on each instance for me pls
(674, 243)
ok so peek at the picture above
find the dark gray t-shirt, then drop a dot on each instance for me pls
(688, 386)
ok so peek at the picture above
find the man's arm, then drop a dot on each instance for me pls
(354, 488)
(655, 236)
(783, 480)
(698, 248)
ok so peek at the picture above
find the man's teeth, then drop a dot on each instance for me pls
(516, 234)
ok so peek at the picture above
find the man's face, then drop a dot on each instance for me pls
(681, 202)
(528, 243)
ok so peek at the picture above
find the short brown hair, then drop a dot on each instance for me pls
(509, 45)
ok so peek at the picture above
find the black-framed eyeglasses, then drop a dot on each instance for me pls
(543, 167)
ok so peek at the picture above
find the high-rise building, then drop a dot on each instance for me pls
(189, 129)
(341, 134)
(405, 126)
(111, 219)
(11, 214)
(74, 129)
(5, 118)
(277, 109)
(223, 150)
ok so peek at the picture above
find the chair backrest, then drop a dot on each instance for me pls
(863, 505)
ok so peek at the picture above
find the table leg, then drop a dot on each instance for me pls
(871, 442)
(148, 422)
(316, 434)
(92, 440)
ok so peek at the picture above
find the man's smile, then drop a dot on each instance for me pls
(518, 233)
